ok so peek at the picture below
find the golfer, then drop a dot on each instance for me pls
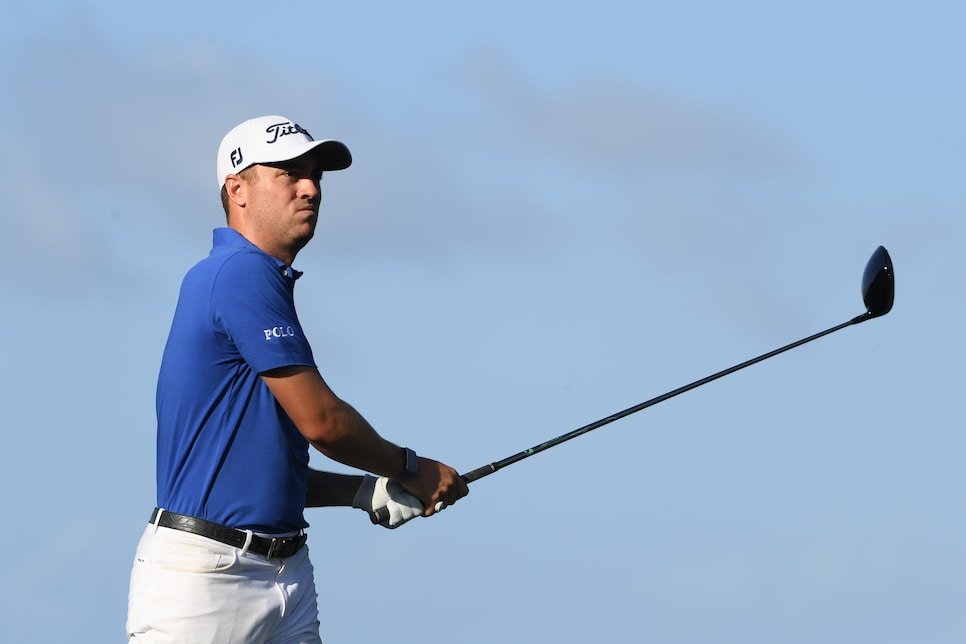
(239, 401)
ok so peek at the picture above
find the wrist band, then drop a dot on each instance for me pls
(412, 463)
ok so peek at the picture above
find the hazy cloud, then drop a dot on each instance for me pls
(602, 121)
(135, 134)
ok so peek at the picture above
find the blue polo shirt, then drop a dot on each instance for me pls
(227, 452)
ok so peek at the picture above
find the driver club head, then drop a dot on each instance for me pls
(878, 284)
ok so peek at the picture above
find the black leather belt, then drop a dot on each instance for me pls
(271, 547)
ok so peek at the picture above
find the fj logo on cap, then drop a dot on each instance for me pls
(284, 129)
(236, 157)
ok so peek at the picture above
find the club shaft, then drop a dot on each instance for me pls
(486, 470)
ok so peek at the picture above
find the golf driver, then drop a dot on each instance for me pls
(878, 291)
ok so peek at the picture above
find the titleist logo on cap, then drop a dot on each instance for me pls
(284, 129)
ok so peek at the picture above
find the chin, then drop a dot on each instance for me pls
(301, 240)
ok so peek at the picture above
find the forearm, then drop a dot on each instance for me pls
(350, 439)
(330, 424)
(328, 489)
(337, 430)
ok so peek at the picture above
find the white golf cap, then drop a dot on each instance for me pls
(271, 139)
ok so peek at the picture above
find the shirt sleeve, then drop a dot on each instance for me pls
(253, 309)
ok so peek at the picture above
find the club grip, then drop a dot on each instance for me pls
(479, 473)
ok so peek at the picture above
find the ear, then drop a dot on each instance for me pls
(236, 188)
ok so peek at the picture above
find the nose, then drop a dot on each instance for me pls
(310, 188)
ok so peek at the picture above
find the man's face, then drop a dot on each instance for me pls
(284, 199)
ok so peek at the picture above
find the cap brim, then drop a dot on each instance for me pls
(331, 154)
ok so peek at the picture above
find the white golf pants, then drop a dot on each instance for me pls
(186, 588)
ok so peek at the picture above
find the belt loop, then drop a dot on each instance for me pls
(157, 520)
(248, 542)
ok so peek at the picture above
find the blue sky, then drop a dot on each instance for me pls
(556, 211)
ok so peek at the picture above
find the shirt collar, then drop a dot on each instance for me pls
(224, 238)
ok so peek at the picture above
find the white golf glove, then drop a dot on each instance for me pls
(387, 503)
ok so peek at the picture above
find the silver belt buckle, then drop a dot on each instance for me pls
(277, 542)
